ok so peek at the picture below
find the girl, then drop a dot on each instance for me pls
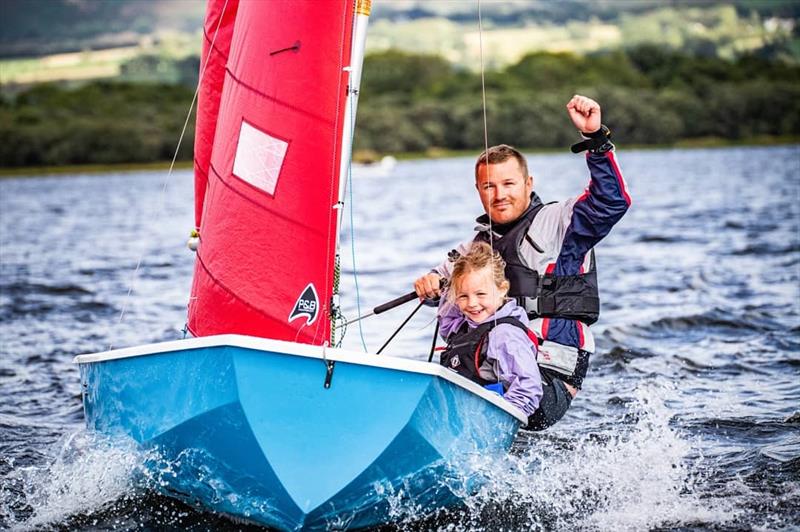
(487, 338)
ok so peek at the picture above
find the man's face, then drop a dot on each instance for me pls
(505, 192)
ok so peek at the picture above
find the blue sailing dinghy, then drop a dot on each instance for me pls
(260, 429)
(256, 415)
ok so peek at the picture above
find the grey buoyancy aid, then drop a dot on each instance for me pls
(466, 348)
(573, 297)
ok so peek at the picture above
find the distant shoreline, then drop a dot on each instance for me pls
(433, 153)
(38, 171)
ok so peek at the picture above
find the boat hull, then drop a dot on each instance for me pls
(254, 432)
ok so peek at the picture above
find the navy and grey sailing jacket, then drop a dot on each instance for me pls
(558, 248)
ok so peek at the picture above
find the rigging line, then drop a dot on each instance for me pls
(486, 147)
(401, 326)
(160, 210)
(353, 236)
(433, 342)
(349, 186)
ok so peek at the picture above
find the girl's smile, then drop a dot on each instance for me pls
(477, 296)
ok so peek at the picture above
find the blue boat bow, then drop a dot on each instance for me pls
(250, 429)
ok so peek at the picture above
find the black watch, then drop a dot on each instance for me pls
(596, 142)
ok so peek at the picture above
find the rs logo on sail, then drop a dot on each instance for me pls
(307, 305)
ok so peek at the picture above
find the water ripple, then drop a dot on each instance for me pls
(688, 419)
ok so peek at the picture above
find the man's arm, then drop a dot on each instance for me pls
(605, 200)
(588, 218)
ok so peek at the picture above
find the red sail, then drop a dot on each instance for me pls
(217, 32)
(265, 264)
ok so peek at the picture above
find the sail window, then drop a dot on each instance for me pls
(259, 158)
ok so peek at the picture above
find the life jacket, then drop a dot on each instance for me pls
(466, 348)
(573, 297)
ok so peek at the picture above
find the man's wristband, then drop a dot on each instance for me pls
(597, 142)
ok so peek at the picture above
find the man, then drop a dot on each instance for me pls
(549, 252)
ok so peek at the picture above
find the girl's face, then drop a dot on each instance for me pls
(477, 296)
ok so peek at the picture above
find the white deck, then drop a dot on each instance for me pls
(310, 351)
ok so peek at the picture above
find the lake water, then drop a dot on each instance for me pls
(689, 419)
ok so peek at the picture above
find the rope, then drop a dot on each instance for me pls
(349, 185)
(336, 313)
(433, 343)
(486, 139)
(353, 245)
(162, 203)
(401, 326)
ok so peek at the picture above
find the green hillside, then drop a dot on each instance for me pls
(413, 103)
(716, 31)
(449, 28)
(666, 72)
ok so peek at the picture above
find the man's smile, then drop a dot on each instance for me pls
(505, 190)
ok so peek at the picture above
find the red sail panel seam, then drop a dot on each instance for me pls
(229, 291)
(277, 101)
(259, 204)
(214, 46)
(198, 168)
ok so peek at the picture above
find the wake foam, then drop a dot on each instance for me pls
(85, 475)
(640, 475)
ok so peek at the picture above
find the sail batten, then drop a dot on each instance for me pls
(268, 226)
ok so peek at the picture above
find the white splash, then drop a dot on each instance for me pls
(634, 478)
(85, 475)
(638, 477)
(642, 474)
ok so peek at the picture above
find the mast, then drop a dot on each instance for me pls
(359, 39)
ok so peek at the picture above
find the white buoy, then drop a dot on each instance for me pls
(388, 163)
(194, 240)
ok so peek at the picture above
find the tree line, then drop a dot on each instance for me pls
(413, 103)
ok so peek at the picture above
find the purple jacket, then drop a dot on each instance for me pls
(511, 352)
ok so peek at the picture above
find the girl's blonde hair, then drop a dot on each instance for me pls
(480, 256)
